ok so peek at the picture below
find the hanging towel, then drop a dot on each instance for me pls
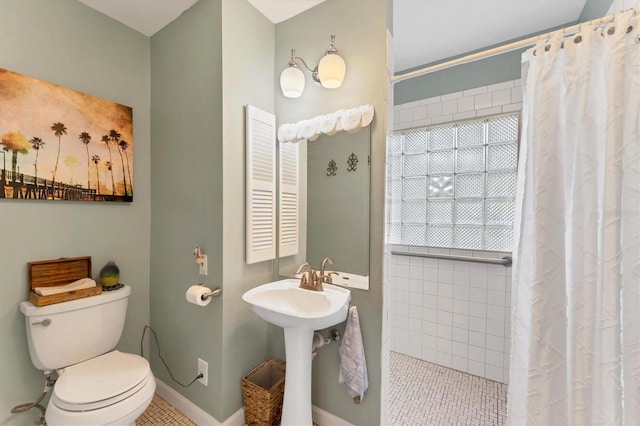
(353, 365)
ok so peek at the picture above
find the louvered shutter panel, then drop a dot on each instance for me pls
(261, 185)
(289, 198)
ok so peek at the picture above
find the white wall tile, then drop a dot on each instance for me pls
(494, 358)
(459, 363)
(494, 373)
(466, 104)
(444, 359)
(434, 110)
(477, 354)
(450, 96)
(476, 91)
(453, 313)
(477, 339)
(429, 355)
(489, 111)
(445, 332)
(460, 292)
(443, 345)
(461, 321)
(464, 115)
(405, 115)
(481, 102)
(429, 328)
(420, 112)
(501, 97)
(429, 341)
(450, 107)
(512, 107)
(476, 368)
(442, 119)
(432, 100)
(460, 335)
(445, 318)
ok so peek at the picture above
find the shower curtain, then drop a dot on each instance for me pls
(575, 356)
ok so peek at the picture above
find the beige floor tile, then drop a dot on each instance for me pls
(160, 412)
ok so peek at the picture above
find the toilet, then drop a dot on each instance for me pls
(96, 384)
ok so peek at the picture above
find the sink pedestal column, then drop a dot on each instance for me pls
(296, 408)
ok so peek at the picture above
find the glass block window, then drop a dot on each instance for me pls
(454, 185)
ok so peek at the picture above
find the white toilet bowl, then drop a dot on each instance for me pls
(111, 389)
(96, 384)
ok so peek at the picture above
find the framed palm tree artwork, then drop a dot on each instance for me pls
(61, 144)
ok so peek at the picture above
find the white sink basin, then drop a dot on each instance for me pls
(286, 305)
(299, 312)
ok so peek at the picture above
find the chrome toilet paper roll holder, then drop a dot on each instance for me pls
(213, 293)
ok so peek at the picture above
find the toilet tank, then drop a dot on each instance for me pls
(77, 330)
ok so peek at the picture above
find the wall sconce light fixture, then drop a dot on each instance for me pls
(329, 72)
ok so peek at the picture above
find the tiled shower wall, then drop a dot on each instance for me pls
(453, 313)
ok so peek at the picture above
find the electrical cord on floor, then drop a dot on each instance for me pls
(144, 331)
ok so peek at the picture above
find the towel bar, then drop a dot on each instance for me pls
(506, 261)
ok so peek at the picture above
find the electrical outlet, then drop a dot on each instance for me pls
(203, 265)
(203, 368)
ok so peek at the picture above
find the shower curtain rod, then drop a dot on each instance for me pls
(497, 50)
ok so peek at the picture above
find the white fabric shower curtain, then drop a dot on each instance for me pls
(575, 356)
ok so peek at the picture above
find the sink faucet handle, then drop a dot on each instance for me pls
(324, 263)
(327, 277)
(304, 266)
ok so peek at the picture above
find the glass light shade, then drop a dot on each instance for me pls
(331, 70)
(292, 82)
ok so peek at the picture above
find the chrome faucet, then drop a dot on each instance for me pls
(326, 277)
(310, 280)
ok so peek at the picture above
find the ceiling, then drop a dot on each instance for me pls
(425, 31)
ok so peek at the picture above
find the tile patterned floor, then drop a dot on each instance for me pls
(160, 412)
(422, 393)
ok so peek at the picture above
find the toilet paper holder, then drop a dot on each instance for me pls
(213, 293)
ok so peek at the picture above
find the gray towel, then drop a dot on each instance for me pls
(353, 365)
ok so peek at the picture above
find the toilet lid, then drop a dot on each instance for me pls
(100, 378)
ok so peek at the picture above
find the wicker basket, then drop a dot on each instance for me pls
(263, 392)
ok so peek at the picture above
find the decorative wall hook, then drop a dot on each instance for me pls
(352, 163)
(197, 253)
(331, 170)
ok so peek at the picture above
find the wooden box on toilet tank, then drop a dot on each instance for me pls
(58, 272)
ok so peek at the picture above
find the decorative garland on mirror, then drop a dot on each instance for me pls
(350, 120)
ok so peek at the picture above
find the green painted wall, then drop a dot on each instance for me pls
(197, 156)
(248, 40)
(363, 46)
(67, 43)
(186, 194)
(338, 206)
(495, 69)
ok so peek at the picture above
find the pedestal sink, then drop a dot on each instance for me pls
(299, 312)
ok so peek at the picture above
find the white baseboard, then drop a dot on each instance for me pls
(202, 418)
(191, 410)
(325, 418)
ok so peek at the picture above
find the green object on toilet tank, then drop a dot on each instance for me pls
(109, 275)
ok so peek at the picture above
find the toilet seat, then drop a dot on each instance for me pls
(101, 381)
